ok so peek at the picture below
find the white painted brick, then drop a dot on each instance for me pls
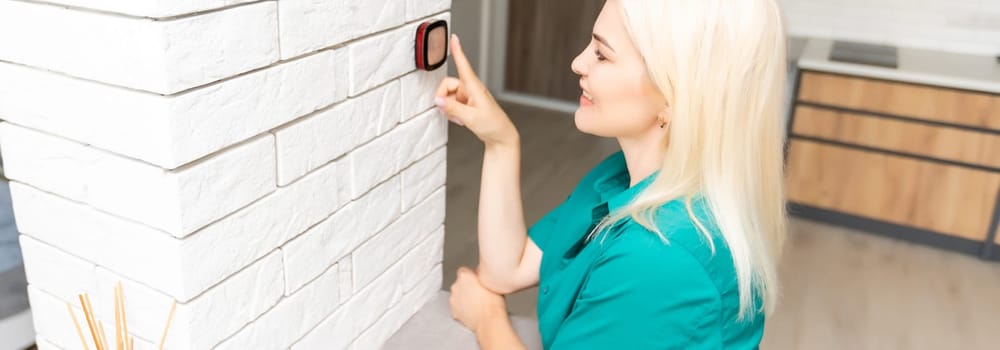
(150, 8)
(424, 177)
(184, 268)
(361, 311)
(45, 161)
(292, 317)
(346, 279)
(141, 253)
(373, 257)
(396, 150)
(418, 91)
(173, 130)
(309, 143)
(159, 56)
(226, 308)
(226, 246)
(146, 309)
(199, 324)
(56, 271)
(309, 25)
(311, 253)
(381, 58)
(423, 258)
(429, 132)
(413, 300)
(421, 8)
(175, 201)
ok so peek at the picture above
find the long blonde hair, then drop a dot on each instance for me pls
(721, 66)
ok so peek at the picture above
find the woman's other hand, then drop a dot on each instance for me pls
(466, 101)
(471, 303)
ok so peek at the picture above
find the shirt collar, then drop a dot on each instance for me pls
(613, 187)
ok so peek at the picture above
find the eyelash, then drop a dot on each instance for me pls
(600, 57)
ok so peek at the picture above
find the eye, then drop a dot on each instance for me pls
(600, 57)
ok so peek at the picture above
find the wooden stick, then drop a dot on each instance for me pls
(77, 325)
(170, 317)
(118, 322)
(121, 295)
(90, 321)
(104, 336)
(131, 342)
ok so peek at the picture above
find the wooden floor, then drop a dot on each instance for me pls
(842, 289)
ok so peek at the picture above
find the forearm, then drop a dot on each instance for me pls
(496, 332)
(502, 232)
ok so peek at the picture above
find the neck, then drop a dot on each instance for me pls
(643, 154)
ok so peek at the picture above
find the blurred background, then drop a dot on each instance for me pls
(893, 163)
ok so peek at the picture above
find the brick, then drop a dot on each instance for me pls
(338, 330)
(380, 58)
(150, 8)
(321, 246)
(381, 158)
(421, 8)
(164, 57)
(56, 271)
(414, 299)
(224, 247)
(175, 201)
(292, 317)
(346, 279)
(424, 177)
(229, 306)
(316, 140)
(423, 258)
(178, 129)
(418, 90)
(54, 328)
(373, 257)
(309, 25)
(141, 253)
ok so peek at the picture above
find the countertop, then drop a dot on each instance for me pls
(946, 69)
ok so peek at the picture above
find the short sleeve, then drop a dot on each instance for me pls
(541, 231)
(640, 296)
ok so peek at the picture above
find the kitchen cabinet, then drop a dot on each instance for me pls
(914, 159)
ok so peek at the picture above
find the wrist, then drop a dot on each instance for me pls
(492, 318)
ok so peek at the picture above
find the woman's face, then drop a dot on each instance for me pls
(618, 99)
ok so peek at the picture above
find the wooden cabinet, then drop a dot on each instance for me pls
(904, 191)
(918, 159)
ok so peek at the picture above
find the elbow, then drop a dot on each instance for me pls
(495, 283)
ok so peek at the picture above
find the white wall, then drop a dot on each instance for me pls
(969, 26)
(274, 166)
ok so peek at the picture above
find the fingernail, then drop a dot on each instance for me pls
(439, 101)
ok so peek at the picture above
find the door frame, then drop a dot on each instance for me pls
(494, 57)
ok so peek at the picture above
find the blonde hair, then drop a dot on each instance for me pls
(721, 66)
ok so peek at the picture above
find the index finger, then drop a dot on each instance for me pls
(465, 72)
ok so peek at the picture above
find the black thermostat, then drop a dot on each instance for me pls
(432, 45)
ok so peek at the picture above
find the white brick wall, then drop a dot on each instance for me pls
(968, 26)
(275, 167)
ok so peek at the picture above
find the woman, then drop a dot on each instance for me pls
(670, 243)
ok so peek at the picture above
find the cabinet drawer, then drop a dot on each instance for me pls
(932, 196)
(959, 145)
(972, 109)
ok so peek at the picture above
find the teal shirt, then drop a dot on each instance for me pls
(632, 291)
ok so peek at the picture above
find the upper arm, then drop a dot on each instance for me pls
(642, 297)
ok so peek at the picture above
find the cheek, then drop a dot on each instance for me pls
(621, 102)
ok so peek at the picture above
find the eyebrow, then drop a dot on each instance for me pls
(603, 41)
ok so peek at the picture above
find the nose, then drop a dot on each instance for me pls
(579, 65)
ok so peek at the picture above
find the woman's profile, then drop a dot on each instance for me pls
(671, 243)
